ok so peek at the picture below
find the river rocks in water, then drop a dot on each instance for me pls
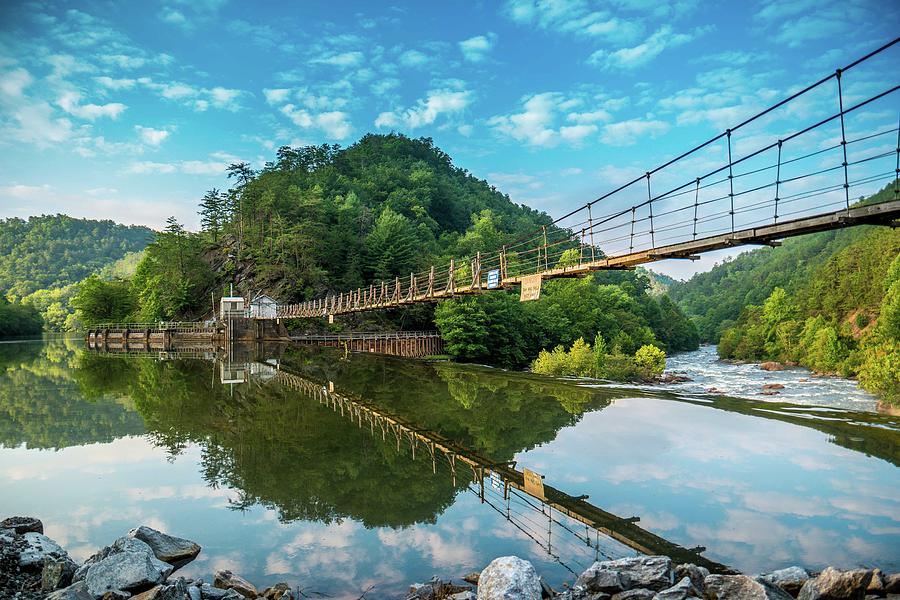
(227, 580)
(771, 366)
(673, 378)
(23, 525)
(36, 547)
(135, 549)
(279, 591)
(597, 578)
(741, 587)
(128, 570)
(790, 579)
(696, 574)
(76, 591)
(635, 594)
(773, 386)
(832, 584)
(208, 592)
(509, 578)
(472, 577)
(57, 572)
(651, 572)
(683, 590)
(173, 550)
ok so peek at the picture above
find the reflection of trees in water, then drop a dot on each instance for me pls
(43, 405)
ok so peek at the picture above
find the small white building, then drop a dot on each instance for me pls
(232, 307)
(263, 307)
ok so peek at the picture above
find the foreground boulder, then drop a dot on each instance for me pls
(57, 573)
(683, 590)
(598, 578)
(696, 574)
(136, 551)
(36, 547)
(771, 366)
(128, 571)
(649, 572)
(173, 550)
(23, 525)
(509, 578)
(741, 587)
(790, 579)
(226, 580)
(832, 584)
(76, 591)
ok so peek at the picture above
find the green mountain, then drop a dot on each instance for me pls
(52, 251)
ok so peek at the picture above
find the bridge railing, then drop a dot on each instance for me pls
(812, 153)
(350, 337)
(180, 326)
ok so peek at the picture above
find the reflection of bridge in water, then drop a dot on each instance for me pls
(504, 487)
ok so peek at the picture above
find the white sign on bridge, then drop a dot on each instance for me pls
(531, 288)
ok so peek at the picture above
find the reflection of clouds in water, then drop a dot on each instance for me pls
(444, 548)
(748, 486)
(91, 459)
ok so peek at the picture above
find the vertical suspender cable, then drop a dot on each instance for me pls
(843, 138)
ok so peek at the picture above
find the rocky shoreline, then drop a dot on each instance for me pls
(140, 564)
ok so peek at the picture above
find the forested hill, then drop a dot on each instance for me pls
(716, 298)
(52, 251)
(383, 207)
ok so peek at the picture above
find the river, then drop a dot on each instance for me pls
(304, 465)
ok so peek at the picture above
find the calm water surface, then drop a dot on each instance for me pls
(278, 480)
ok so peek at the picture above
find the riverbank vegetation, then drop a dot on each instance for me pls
(582, 360)
(829, 302)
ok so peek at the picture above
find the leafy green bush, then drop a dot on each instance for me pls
(650, 359)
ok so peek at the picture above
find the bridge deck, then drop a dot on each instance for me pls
(885, 213)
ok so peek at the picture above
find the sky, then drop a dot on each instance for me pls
(131, 110)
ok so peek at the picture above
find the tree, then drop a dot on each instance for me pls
(650, 359)
(99, 301)
(213, 212)
(390, 247)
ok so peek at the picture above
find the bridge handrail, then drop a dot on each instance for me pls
(158, 325)
(386, 335)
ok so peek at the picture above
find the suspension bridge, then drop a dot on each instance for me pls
(839, 142)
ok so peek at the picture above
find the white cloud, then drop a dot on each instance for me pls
(13, 83)
(413, 58)
(276, 95)
(25, 192)
(536, 125)
(343, 59)
(70, 102)
(575, 17)
(115, 84)
(427, 110)
(570, 171)
(142, 167)
(385, 85)
(225, 98)
(335, 124)
(626, 133)
(174, 17)
(37, 124)
(576, 133)
(643, 53)
(150, 136)
(615, 176)
(475, 49)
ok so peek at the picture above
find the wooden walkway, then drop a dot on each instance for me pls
(409, 344)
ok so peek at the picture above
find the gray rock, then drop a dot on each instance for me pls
(635, 594)
(116, 595)
(127, 570)
(173, 550)
(37, 546)
(208, 592)
(696, 574)
(23, 525)
(467, 595)
(741, 587)
(790, 579)
(279, 591)
(121, 545)
(227, 580)
(151, 594)
(683, 590)
(194, 593)
(876, 584)
(651, 572)
(176, 590)
(76, 591)
(421, 591)
(509, 578)
(832, 584)
(57, 573)
(892, 583)
(598, 578)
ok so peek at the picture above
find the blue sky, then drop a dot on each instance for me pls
(130, 111)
